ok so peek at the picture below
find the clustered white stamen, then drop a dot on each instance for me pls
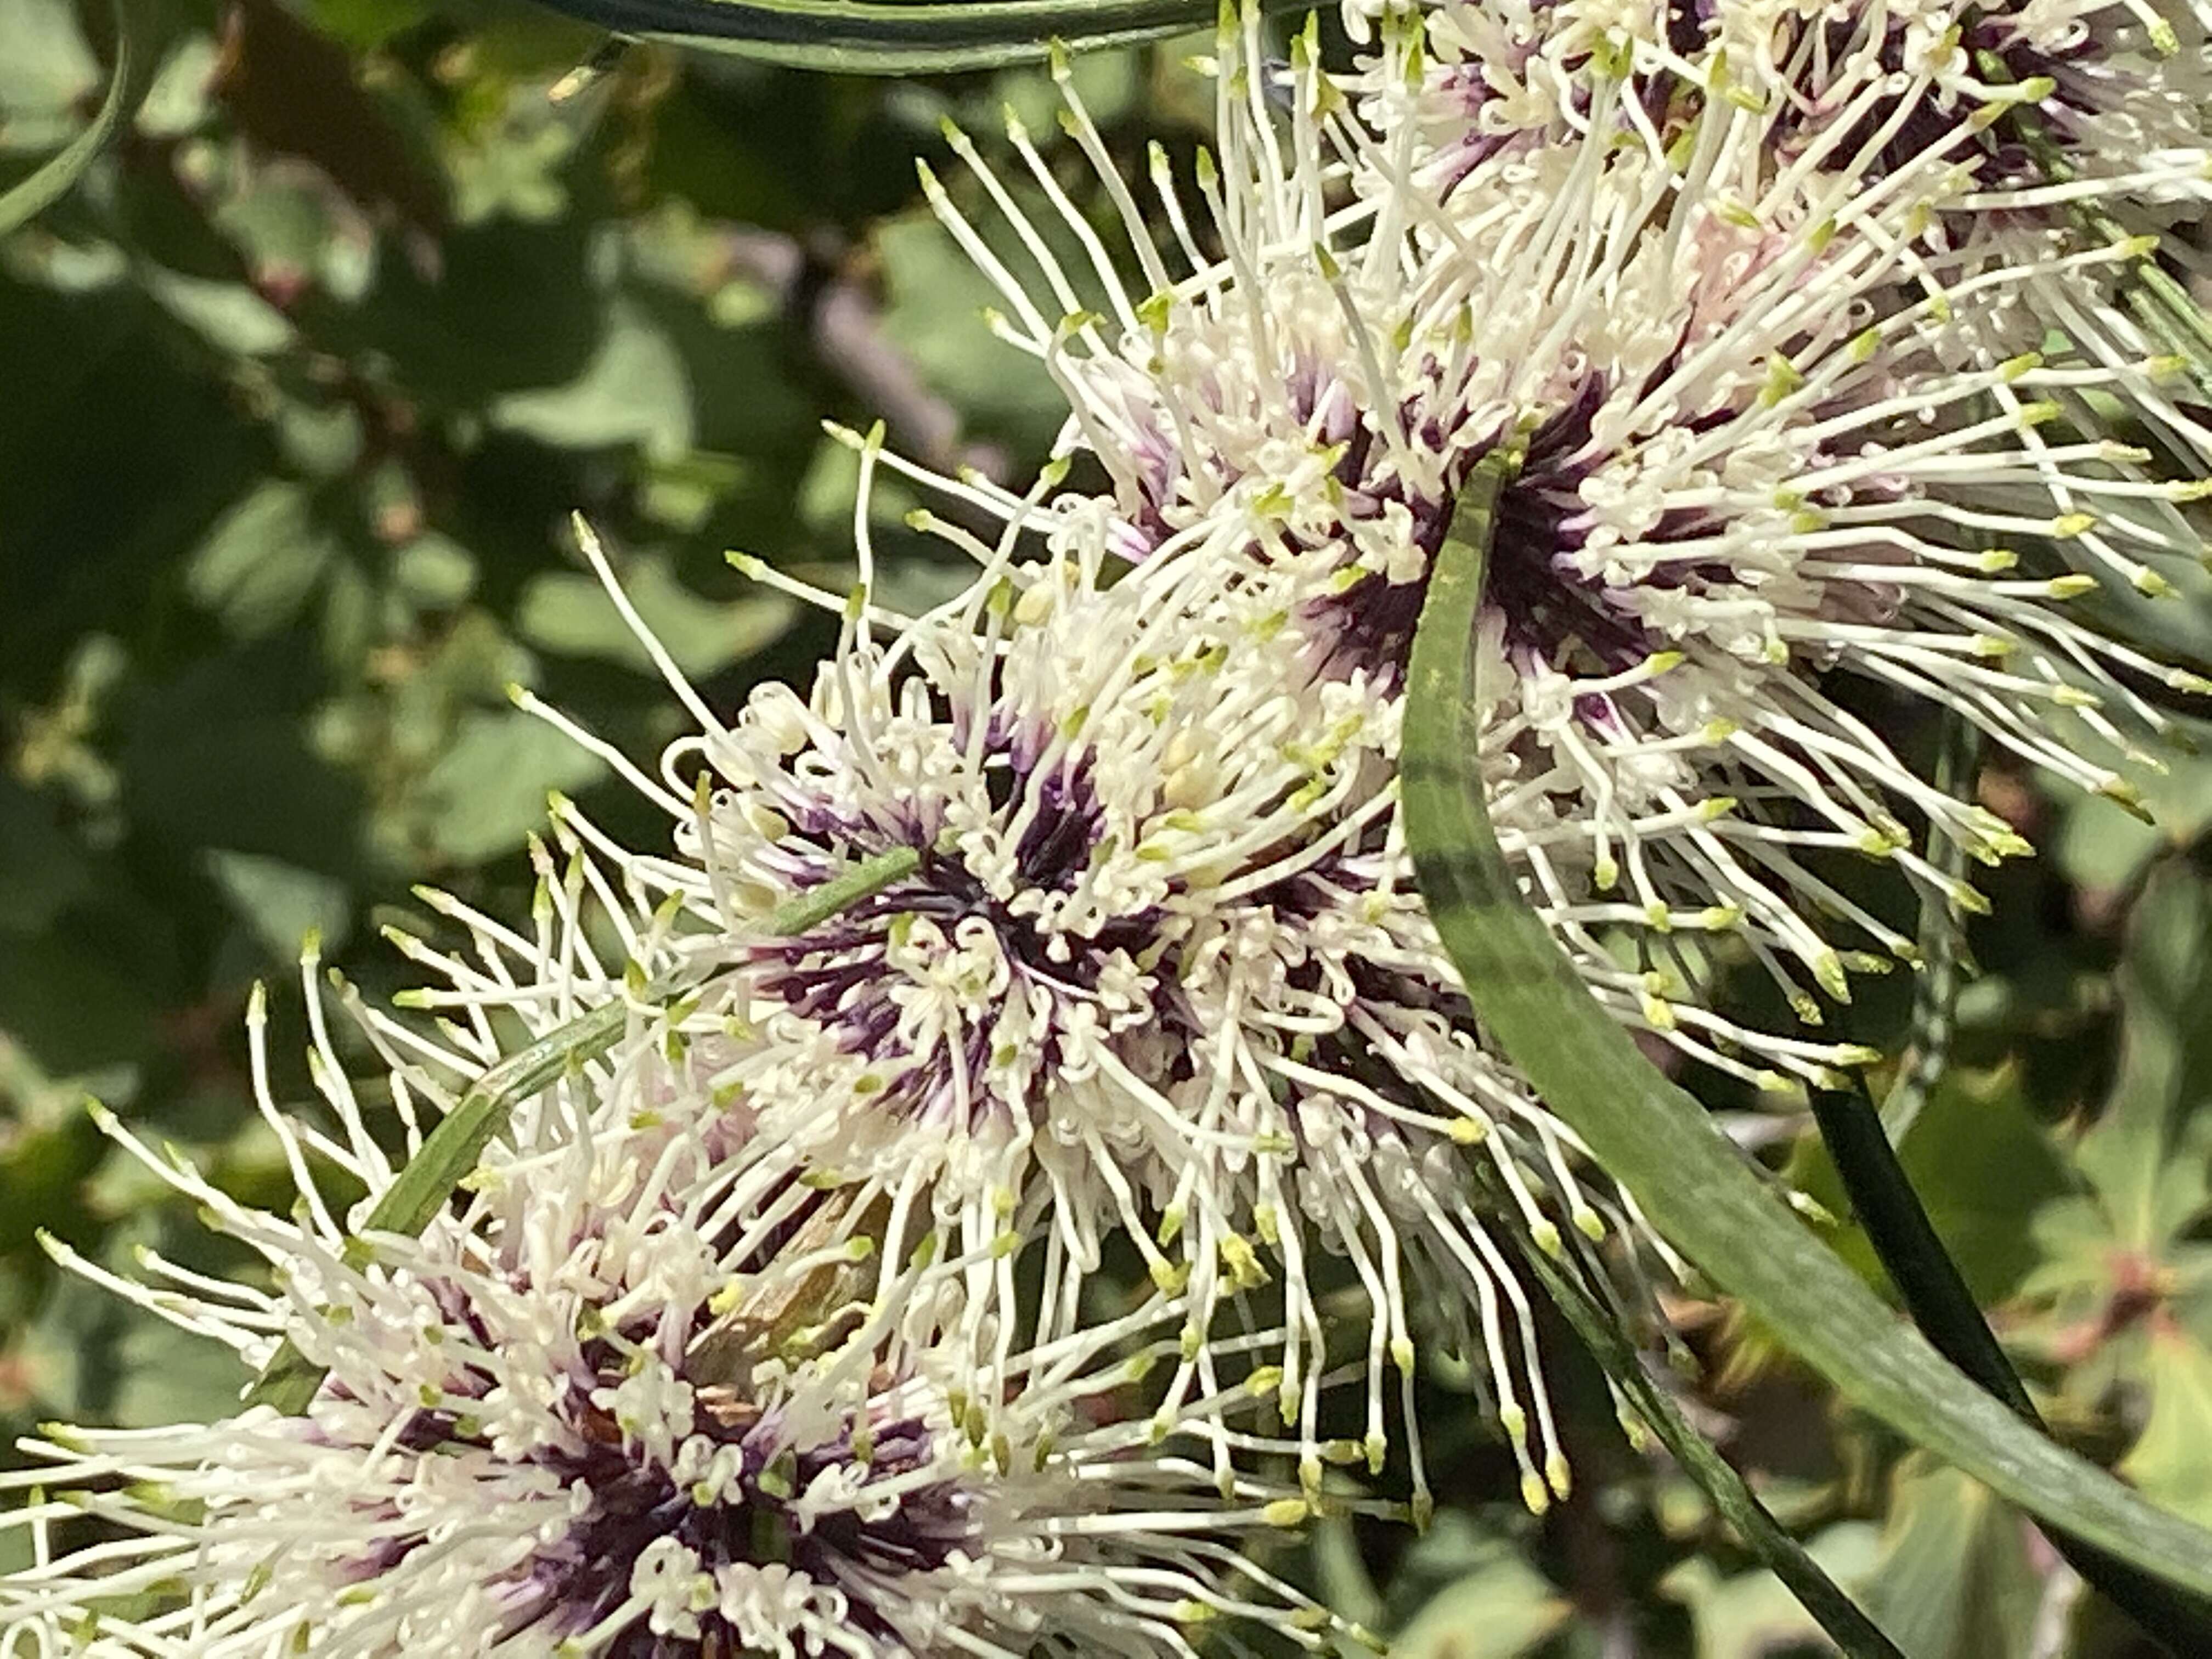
(603, 1410)
(789, 1326)
(1770, 445)
(1157, 914)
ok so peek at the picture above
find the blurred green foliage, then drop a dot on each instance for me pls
(301, 387)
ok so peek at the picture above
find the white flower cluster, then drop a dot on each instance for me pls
(801, 1322)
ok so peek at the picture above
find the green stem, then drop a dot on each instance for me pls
(25, 200)
(1855, 1634)
(451, 1149)
(1691, 1182)
(900, 37)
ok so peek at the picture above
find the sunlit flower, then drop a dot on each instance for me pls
(1990, 134)
(606, 1411)
(1158, 982)
(1768, 454)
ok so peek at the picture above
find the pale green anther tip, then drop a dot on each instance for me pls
(2125, 795)
(1171, 1220)
(1997, 559)
(2070, 587)
(2180, 679)
(1170, 1277)
(1857, 1054)
(1660, 662)
(1424, 1511)
(517, 694)
(746, 564)
(257, 1004)
(1811, 1208)
(1378, 1450)
(1557, 1476)
(1604, 873)
(1286, 1512)
(1589, 1223)
(1828, 969)
(859, 1248)
(1401, 1353)
(1264, 1381)
(1535, 1494)
(1545, 1235)
(2151, 584)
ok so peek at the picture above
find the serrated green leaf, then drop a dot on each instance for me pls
(569, 612)
(2147, 1153)
(2171, 1459)
(1981, 1160)
(1499, 1610)
(636, 388)
(281, 902)
(25, 200)
(488, 792)
(1748, 1614)
(1954, 1580)
(261, 561)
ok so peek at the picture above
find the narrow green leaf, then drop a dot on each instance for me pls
(900, 37)
(1854, 1634)
(451, 1151)
(27, 199)
(1692, 1183)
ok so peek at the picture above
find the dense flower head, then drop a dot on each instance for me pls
(1774, 441)
(603, 1410)
(1158, 980)
(1995, 129)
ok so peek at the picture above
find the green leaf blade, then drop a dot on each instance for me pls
(1694, 1186)
(900, 37)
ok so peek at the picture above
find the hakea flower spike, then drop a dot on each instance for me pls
(1763, 453)
(608, 1413)
(1158, 984)
(2016, 127)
